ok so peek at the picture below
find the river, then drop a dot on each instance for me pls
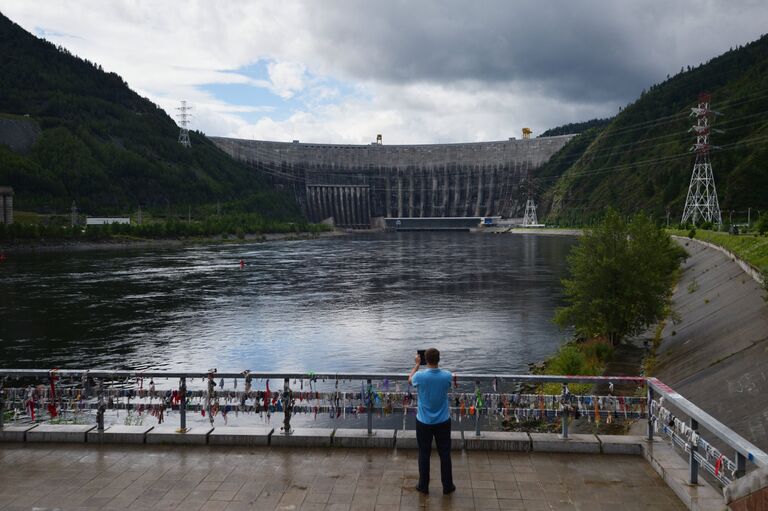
(353, 303)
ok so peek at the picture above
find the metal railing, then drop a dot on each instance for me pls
(687, 436)
(473, 396)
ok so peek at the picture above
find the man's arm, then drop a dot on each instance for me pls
(415, 368)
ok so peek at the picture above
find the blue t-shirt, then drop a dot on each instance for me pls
(432, 385)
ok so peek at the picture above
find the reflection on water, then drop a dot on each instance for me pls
(354, 303)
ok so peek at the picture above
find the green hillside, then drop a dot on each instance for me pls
(102, 145)
(641, 161)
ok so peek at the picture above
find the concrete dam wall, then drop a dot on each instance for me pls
(356, 183)
(717, 353)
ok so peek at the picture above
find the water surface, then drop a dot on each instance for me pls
(354, 303)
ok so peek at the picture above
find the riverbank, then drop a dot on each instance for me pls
(126, 242)
(538, 231)
(715, 349)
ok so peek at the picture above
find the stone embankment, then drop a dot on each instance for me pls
(716, 351)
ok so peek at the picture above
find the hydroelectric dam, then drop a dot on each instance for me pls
(361, 185)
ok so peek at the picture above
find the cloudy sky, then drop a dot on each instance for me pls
(416, 71)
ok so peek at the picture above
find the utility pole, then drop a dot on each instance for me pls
(184, 118)
(73, 218)
(701, 203)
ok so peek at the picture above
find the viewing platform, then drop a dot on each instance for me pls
(104, 440)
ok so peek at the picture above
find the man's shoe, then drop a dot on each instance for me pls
(448, 491)
(425, 491)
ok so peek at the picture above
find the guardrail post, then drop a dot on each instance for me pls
(648, 411)
(183, 404)
(101, 409)
(2, 403)
(741, 465)
(692, 462)
(369, 399)
(287, 399)
(477, 409)
(566, 415)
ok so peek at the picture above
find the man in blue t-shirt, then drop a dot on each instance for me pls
(433, 419)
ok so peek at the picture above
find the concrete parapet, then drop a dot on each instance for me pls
(551, 442)
(674, 471)
(498, 441)
(304, 437)
(168, 434)
(407, 440)
(59, 433)
(119, 434)
(15, 433)
(621, 444)
(749, 492)
(250, 436)
(382, 438)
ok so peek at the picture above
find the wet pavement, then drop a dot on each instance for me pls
(90, 477)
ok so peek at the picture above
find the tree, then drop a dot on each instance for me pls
(762, 224)
(621, 278)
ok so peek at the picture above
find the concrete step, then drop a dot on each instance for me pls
(119, 434)
(15, 433)
(170, 434)
(250, 436)
(59, 433)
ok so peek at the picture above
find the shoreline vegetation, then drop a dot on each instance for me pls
(594, 356)
(35, 233)
(621, 276)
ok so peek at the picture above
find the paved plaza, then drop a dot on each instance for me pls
(90, 477)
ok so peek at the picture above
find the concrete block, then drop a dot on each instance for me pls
(119, 434)
(749, 484)
(303, 437)
(168, 434)
(407, 440)
(250, 436)
(621, 444)
(359, 438)
(59, 433)
(15, 433)
(498, 441)
(552, 442)
(675, 471)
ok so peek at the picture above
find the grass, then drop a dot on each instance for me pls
(587, 358)
(751, 248)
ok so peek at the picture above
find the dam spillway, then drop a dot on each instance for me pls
(356, 184)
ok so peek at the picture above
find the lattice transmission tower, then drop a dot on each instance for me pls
(529, 218)
(184, 118)
(701, 203)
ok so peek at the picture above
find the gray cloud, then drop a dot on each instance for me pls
(424, 71)
(577, 50)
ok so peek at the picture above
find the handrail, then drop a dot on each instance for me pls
(730, 437)
(744, 449)
(106, 373)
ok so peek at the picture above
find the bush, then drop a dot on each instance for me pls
(762, 224)
(568, 361)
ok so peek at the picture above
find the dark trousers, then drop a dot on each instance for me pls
(442, 435)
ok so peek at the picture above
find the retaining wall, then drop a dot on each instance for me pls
(717, 353)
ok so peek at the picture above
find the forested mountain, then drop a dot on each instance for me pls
(575, 127)
(71, 131)
(641, 161)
